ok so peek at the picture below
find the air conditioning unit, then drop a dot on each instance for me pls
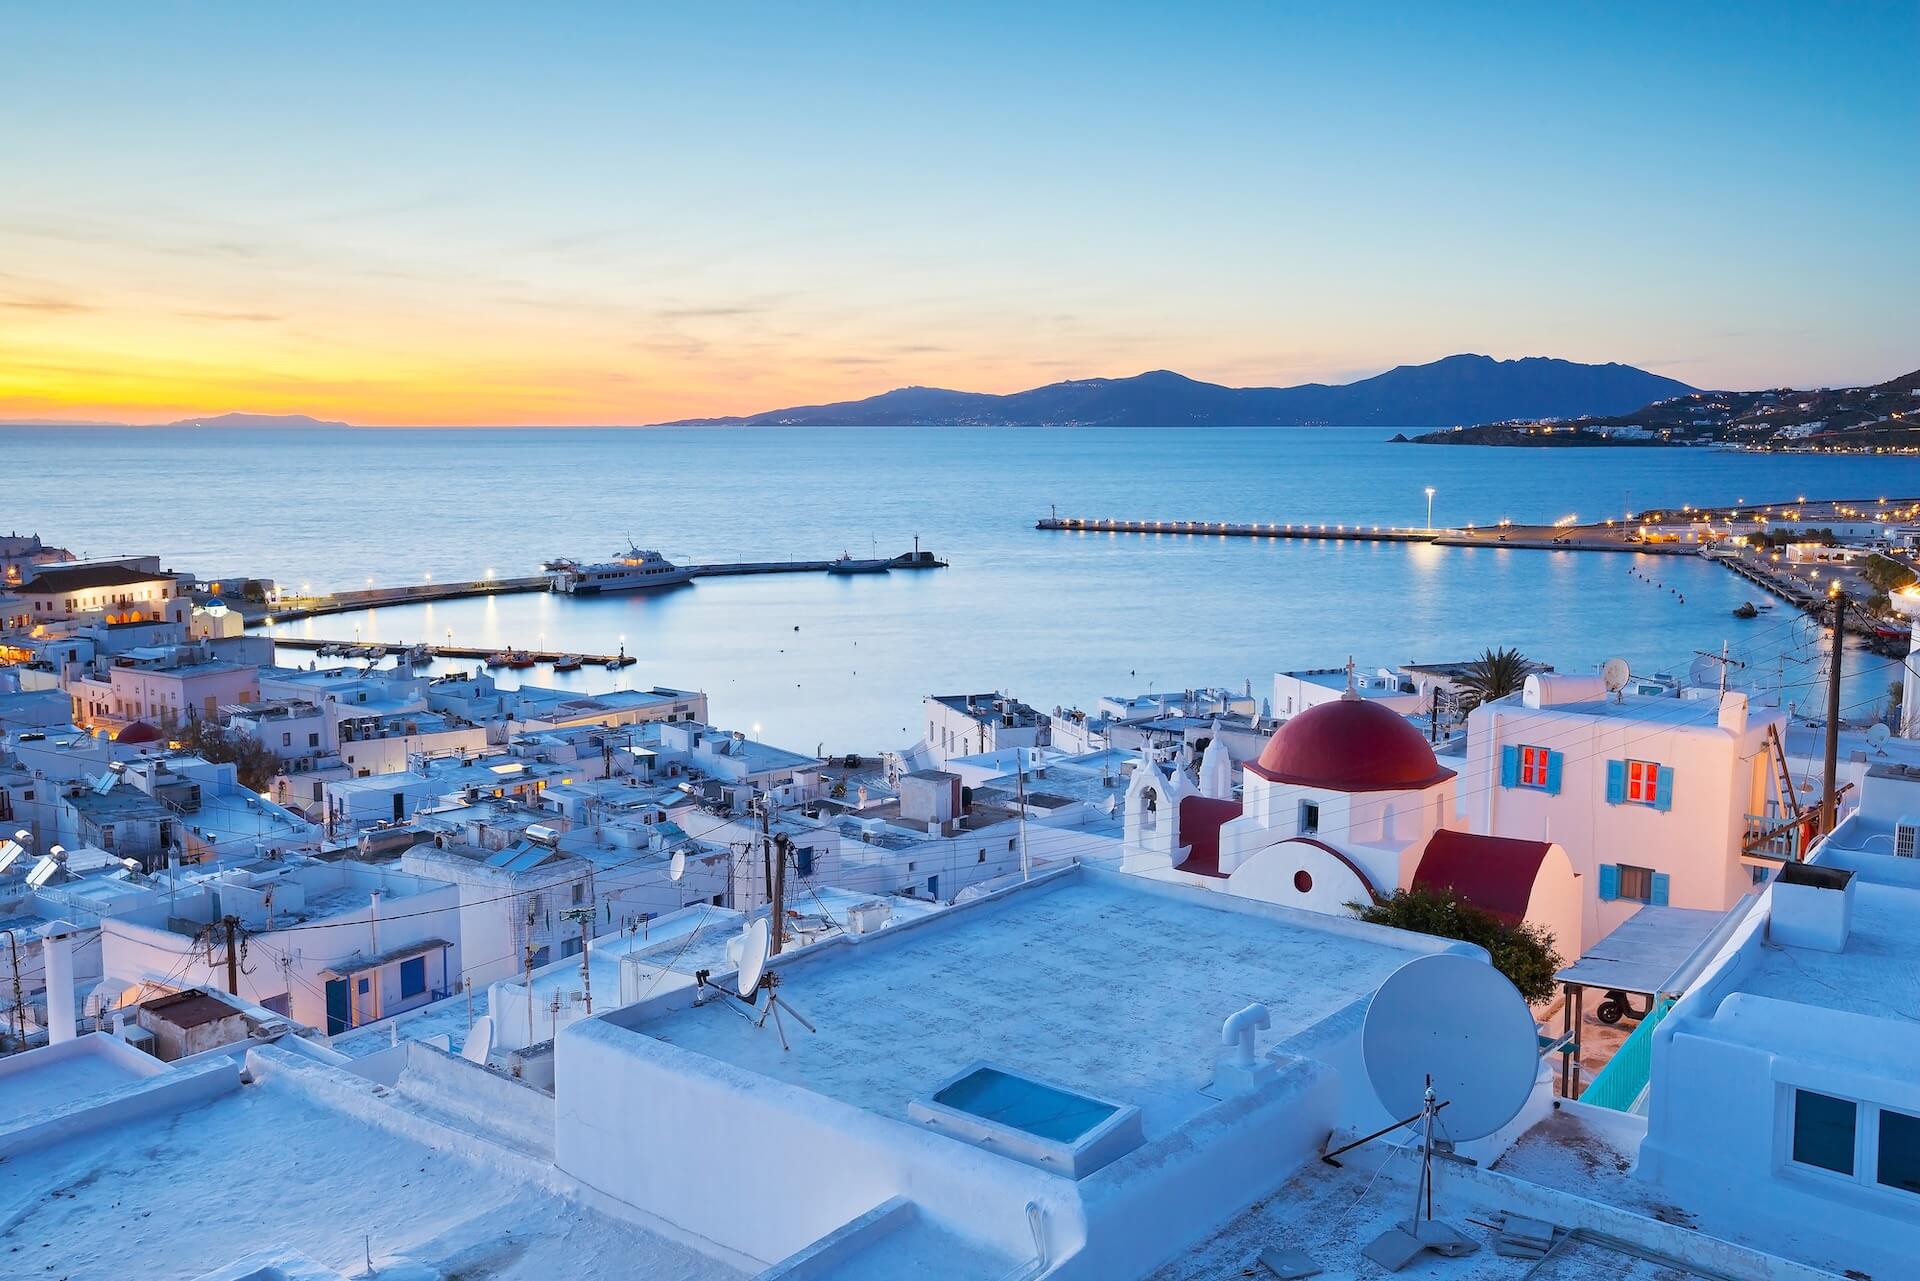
(1906, 838)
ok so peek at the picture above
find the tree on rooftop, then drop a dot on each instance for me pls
(252, 760)
(1524, 953)
(1495, 674)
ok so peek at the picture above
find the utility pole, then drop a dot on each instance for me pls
(233, 955)
(778, 917)
(766, 845)
(19, 1012)
(529, 967)
(584, 916)
(1836, 650)
(1026, 866)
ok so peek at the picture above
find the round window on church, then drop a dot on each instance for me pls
(1303, 881)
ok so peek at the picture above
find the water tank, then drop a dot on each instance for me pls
(1547, 689)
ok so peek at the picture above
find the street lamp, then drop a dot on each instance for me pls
(1429, 509)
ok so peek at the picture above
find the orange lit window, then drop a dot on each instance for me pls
(1533, 766)
(1643, 782)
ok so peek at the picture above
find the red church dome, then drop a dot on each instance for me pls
(1350, 745)
(137, 732)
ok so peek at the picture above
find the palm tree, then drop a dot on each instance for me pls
(1495, 674)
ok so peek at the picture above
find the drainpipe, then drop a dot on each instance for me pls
(57, 942)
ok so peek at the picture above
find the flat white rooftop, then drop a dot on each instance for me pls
(1094, 981)
(1877, 975)
(145, 1199)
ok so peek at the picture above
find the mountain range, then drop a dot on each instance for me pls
(1456, 389)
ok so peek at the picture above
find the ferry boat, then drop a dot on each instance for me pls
(633, 570)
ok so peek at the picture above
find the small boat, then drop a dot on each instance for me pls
(497, 660)
(622, 659)
(568, 663)
(329, 650)
(1746, 609)
(1767, 604)
(376, 652)
(519, 659)
(846, 564)
(418, 655)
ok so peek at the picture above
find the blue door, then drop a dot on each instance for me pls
(339, 1007)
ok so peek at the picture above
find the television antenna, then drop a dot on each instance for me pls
(1615, 674)
(1446, 1031)
(1709, 667)
(756, 944)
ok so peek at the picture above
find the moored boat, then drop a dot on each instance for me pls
(633, 570)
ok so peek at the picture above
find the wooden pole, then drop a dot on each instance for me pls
(1837, 652)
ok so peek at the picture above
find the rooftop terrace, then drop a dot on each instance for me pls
(1091, 981)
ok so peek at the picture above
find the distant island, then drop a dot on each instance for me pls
(280, 422)
(1456, 389)
(255, 420)
(1880, 417)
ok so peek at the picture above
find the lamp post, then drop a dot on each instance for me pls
(1429, 509)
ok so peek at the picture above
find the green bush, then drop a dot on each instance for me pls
(1524, 953)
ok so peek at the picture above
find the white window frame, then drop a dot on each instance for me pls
(1866, 1146)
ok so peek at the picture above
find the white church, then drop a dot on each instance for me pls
(1346, 804)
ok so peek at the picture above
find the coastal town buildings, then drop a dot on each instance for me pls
(487, 929)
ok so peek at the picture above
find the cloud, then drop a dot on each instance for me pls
(249, 317)
(46, 306)
(708, 313)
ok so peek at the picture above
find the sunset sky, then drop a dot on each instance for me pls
(623, 214)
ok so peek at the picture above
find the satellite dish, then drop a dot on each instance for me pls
(679, 868)
(1703, 674)
(1458, 1020)
(1878, 734)
(479, 1044)
(753, 956)
(1615, 674)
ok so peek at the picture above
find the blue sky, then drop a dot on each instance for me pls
(581, 213)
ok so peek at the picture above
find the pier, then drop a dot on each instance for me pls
(374, 652)
(1577, 538)
(291, 608)
(1232, 529)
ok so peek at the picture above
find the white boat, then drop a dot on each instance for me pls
(634, 570)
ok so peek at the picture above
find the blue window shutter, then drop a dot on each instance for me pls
(1553, 773)
(1616, 782)
(1663, 789)
(1509, 766)
(1659, 895)
(1609, 882)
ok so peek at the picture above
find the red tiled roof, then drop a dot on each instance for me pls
(1201, 818)
(1494, 873)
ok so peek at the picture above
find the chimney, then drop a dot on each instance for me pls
(1812, 907)
(56, 941)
